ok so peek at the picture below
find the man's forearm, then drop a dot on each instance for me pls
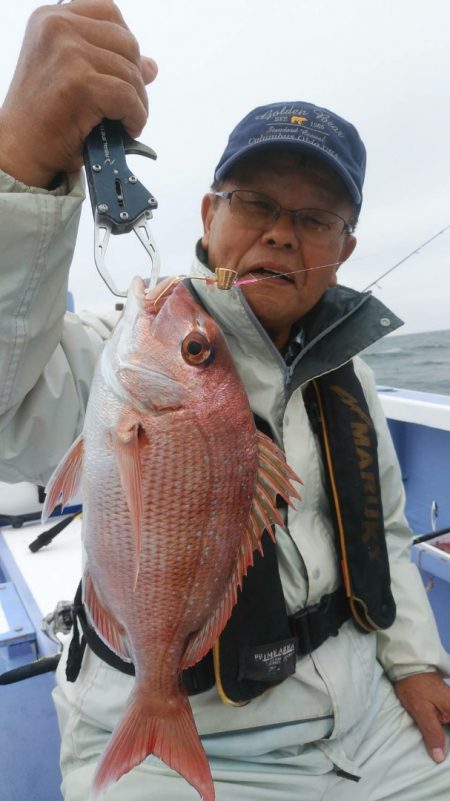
(38, 232)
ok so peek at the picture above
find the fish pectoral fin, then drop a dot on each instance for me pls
(274, 478)
(107, 627)
(127, 441)
(65, 480)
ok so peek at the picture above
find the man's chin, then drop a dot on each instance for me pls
(275, 299)
(273, 316)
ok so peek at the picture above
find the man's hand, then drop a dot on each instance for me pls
(426, 697)
(78, 63)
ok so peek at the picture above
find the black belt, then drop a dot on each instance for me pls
(312, 626)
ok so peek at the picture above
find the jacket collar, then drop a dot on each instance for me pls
(340, 326)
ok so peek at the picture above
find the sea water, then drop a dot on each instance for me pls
(412, 361)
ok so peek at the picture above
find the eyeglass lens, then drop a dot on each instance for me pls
(259, 211)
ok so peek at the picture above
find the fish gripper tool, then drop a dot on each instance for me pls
(120, 202)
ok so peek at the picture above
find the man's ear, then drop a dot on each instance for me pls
(207, 216)
(347, 250)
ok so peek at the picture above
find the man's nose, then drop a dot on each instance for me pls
(282, 232)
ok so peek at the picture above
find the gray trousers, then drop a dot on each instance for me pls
(389, 753)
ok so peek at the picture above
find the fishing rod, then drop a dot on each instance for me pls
(405, 258)
(430, 535)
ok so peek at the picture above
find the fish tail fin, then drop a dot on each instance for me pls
(173, 739)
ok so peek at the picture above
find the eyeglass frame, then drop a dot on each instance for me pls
(348, 228)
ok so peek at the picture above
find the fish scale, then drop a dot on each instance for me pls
(178, 487)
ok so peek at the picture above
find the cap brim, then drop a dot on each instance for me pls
(297, 146)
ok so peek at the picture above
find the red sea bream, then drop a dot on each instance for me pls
(178, 487)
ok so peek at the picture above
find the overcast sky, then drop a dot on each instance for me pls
(382, 64)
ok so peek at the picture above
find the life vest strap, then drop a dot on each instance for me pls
(310, 627)
(314, 624)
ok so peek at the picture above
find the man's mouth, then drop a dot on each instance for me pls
(269, 272)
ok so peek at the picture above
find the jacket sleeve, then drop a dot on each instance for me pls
(412, 644)
(47, 356)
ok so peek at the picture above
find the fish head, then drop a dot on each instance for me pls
(164, 355)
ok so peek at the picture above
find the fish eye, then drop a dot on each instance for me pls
(195, 348)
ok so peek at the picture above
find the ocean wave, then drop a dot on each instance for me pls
(382, 353)
(413, 361)
(435, 346)
(430, 364)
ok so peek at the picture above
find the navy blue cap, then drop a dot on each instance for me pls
(300, 126)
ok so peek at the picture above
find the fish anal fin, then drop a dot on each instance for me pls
(105, 624)
(65, 480)
(173, 738)
(127, 444)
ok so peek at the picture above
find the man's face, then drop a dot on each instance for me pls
(276, 301)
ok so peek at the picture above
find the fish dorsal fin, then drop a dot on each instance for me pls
(126, 443)
(65, 480)
(105, 624)
(274, 478)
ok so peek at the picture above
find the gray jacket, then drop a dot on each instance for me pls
(47, 359)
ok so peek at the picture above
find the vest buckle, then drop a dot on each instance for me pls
(314, 624)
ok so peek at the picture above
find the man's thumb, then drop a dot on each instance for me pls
(149, 69)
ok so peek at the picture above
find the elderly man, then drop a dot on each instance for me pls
(330, 684)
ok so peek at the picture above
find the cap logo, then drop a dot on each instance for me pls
(304, 127)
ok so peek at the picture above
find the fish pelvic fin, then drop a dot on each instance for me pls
(111, 632)
(172, 737)
(274, 478)
(126, 443)
(65, 480)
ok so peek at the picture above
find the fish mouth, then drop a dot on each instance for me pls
(273, 272)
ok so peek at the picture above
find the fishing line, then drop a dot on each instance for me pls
(255, 279)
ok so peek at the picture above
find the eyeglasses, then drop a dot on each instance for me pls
(257, 211)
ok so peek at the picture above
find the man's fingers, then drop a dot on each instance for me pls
(96, 9)
(121, 59)
(108, 49)
(120, 70)
(427, 699)
(432, 732)
(104, 33)
(120, 101)
(79, 63)
(437, 754)
(149, 69)
(434, 738)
